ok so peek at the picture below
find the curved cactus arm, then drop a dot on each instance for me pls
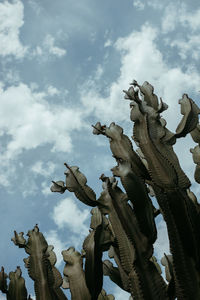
(167, 262)
(17, 289)
(196, 158)
(58, 280)
(114, 253)
(195, 134)
(122, 148)
(3, 281)
(154, 260)
(147, 91)
(65, 284)
(133, 246)
(76, 182)
(190, 112)
(19, 239)
(40, 268)
(155, 141)
(73, 270)
(58, 186)
(127, 219)
(93, 262)
(185, 272)
(197, 174)
(196, 152)
(105, 235)
(140, 271)
(96, 218)
(114, 274)
(104, 296)
(98, 240)
(137, 193)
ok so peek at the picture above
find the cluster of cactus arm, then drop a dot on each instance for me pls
(123, 221)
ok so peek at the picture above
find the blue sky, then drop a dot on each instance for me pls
(64, 65)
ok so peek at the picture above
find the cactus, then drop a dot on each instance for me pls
(123, 222)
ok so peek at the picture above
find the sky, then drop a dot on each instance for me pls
(63, 66)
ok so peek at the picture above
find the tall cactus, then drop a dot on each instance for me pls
(123, 221)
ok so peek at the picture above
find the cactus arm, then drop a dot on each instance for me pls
(58, 186)
(138, 195)
(76, 182)
(3, 281)
(16, 289)
(190, 119)
(74, 272)
(121, 147)
(114, 274)
(196, 152)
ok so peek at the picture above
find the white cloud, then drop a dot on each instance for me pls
(67, 214)
(189, 47)
(138, 4)
(179, 14)
(11, 16)
(28, 121)
(191, 19)
(107, 43)
(45, 188)
(120, 294)
(49, 45)
(170, 18)
(141, 60)
(52, 91)
(34, 121)
(54, 240)
(45, 170)
(99, 72)
(156, 4)
(35, 6)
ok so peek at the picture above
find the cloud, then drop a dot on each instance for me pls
(54, 240)
(52, 91)
(120, 294)
(45, 188)
(107, 43)
(67, 214)
(35, 6)
(28, 121)
(190, 19)
(11, 16)
(49, 45)
(179, 14)
(138, 4)
(170, 18)
(39, 168)
(142, 60)
(156, 4)
(188, 47)
(49, 48)
(35, 122)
